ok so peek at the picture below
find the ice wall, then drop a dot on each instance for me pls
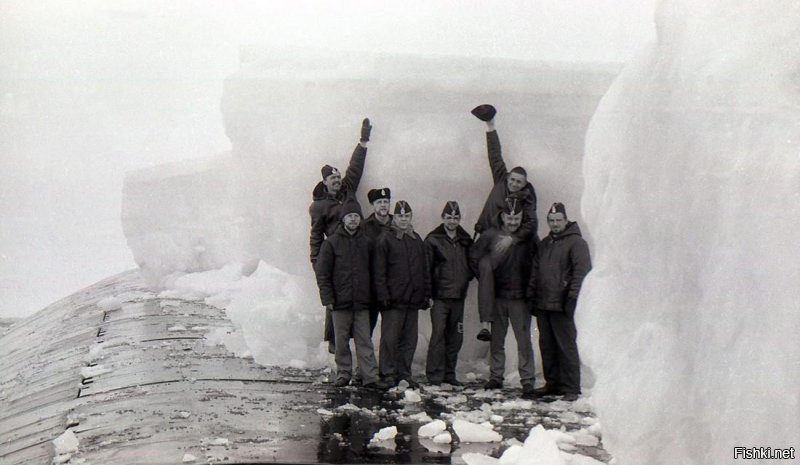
(288, 114)
(690, 315)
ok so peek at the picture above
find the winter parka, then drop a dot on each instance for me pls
(373, 228)
(401, 275)
(324, 209)
(511, 269)
(343, 270)
(496, 200)
(559, 266)
(448, 262)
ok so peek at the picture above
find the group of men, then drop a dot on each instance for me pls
(380, 265)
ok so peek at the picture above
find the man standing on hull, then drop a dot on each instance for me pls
(511, 271)
(402, 285)
(561, 263)
(512, 185)
(379, 221)
(328, 195)
(447, 247)
(344, 281)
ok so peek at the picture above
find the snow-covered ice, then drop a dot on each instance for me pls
(431, 429)
(689, 318)
(473, 432)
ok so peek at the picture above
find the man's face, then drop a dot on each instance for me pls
(515, 182)
(451, 222)
(351, 222)
(557, 222)
(333, 182)
(402, 220)
(381, 207)
(511, 222)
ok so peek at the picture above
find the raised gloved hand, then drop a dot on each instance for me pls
(484, 112)
(366, 129)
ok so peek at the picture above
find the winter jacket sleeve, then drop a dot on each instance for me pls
(530, 224)
(324, 272)
(430, 263)
(355, 169)
(317, 231)
(581, 264)
(530, 291)
(380, 265)
(496, 163)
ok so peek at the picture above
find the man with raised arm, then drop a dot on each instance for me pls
(328, 197)
(513, 185)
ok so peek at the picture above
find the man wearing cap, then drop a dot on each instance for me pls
(328, 195)
(447, 248)
(559, 267)
(378, 221)
(402, 285)
(510, 269)
(507, 185)
(344, 281)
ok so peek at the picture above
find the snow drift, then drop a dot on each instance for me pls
(689, 317)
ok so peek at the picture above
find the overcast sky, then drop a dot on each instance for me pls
(91, 90)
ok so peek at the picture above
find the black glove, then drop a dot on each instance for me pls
(484, 112)
(366, 129)
(386, 304)
(569, 306)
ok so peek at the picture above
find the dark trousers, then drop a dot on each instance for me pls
(447, 334)
(558, 346)
(398, 343)
(514, 312)
(486, 288)
(354, 324)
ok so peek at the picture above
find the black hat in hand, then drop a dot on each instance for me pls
(484, 112)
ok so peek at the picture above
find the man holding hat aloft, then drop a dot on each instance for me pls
(507, 185)
(344, 281)
(402, 285)
(511, 270)
(328, 196)
(447, 247)
(561, 263)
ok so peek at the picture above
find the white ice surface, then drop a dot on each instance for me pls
(690, 316)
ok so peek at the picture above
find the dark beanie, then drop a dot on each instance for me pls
(512, 206)
(350, 206)
(558, 207)
(451, 208)
(402, 207)
(382, 193)
(328, 170)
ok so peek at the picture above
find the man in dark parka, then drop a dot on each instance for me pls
(378, 221)
(559, 267)
(402, 284)
(447, 248)
(328, 196)
(511, 271)
(344, 281)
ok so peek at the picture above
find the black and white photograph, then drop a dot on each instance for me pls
(542, 232)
